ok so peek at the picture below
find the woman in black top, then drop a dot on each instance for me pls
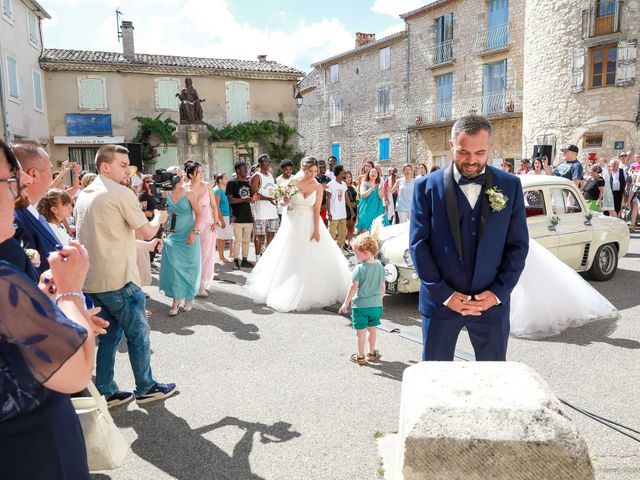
(352, 213)
(594, 189)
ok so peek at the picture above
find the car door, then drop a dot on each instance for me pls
(539, 218)
(573, 233)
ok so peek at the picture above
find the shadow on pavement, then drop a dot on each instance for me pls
(99, 476)
(202, 314)
(390, 370)
(170, 444)
(620, 289)
(597, 332)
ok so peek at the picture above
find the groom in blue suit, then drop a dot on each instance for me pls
(468, 242)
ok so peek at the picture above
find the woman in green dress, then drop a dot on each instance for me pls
(371, 204)
(181, 257)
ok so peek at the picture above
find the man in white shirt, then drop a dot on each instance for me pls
(338, 200)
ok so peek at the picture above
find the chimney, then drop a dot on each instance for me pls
(262, 58)
(128, 51)
(363, 39)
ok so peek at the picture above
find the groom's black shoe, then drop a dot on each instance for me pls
(246, 263)
(236, 264)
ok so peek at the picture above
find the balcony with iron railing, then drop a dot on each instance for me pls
(440, 54)
(493, 39)
(601, 18)
(499, 104)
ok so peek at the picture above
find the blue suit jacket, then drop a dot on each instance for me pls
(435, 242)
(32, 234)
(11, 252)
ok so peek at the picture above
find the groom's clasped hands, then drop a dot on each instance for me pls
(472, 305)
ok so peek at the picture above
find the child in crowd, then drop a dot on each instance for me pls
(365, 296)
(55, 206)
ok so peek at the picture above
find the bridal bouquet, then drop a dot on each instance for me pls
(285, 191)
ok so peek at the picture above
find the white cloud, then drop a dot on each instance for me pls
(396, 7)
(207, 28)
(398, 27)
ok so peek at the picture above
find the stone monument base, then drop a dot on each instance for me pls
(192, 142)
(482, 420)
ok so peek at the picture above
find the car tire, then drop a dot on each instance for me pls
(605, 263)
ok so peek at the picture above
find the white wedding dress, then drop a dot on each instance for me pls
(551, 297)
(296, 273)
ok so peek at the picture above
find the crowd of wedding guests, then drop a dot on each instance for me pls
(609, 185)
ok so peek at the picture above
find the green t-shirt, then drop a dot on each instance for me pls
(370, 277)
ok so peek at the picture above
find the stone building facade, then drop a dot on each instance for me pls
(23, 108)
(94, 97)
(581, 75)
(354, 104)
(465, 56)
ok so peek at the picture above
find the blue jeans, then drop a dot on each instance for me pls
(124, 309)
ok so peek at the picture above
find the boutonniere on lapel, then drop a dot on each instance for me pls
(32, 255)
(497, 199)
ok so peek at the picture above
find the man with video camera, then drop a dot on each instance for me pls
(107, 215)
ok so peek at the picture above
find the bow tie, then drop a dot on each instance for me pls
(479, 180)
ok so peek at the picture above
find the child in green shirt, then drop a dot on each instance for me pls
(365, 296)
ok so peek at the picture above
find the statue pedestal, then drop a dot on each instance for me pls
(193, 145)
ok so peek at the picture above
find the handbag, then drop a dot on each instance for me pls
(106, 446)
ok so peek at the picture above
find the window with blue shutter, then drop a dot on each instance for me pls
(335, 151)
(12, 67)
(443, 97)
(237, 102)
(37, 90)
(32, 22)
(494, 86)
(92, 93)
(166, 89)
(384, 148)
(498, 33)
(7, 9)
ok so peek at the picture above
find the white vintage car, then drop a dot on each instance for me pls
(558, 219)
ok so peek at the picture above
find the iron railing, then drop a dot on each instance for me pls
(499, 104)
(494, 38)
(439, 54)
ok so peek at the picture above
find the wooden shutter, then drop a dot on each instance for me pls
(384, 149)
(92, 94)
(383, 101)
(335, 151)
(237, 102)
(166, 90)
(14, 88)
(37, 90)
(626, 63)
(577, 69)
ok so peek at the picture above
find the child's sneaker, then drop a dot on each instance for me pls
(360, 360)
(373, 357)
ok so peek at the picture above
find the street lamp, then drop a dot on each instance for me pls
(299, 100)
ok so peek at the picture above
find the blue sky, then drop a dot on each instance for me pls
(295, 33)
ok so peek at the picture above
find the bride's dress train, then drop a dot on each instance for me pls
(551, 297)
(296, 273)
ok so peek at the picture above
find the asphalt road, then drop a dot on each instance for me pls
(265, 395)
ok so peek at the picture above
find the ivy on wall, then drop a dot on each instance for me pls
(161, 129)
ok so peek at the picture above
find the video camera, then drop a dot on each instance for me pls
(163, 181)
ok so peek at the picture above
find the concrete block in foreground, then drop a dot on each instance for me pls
(485, 420)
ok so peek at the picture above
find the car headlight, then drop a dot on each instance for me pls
(407, 258)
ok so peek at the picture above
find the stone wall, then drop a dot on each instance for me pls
(360, 77)
(551, 108)
(428, 137)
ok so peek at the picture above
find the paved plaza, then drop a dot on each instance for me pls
(266, 395)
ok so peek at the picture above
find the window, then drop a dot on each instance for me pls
(335, 110)
(605, 18)
(334, 73)
(92, 93)
(603, 66)
(166, 89)
(84, 156)
(237, 102)
(335, 151)
(534, 203)
(384, 101)
(383, 145)
(7, 9)
(32, 26)
(592, 140)
(385, 58)
(564, 201)
(441, 161)
(443, 97)
(37, 91)
(498, 24)
(494, 85)
(444, 38)
(12, 72)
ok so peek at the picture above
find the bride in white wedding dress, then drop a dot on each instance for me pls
(302, 268)
(551, 297)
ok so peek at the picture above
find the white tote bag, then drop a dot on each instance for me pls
(105, 444)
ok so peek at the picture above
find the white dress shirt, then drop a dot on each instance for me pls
(470, 190)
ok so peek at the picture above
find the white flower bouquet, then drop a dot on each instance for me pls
(285, 191)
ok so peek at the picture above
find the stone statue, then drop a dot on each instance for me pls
(190, 108)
